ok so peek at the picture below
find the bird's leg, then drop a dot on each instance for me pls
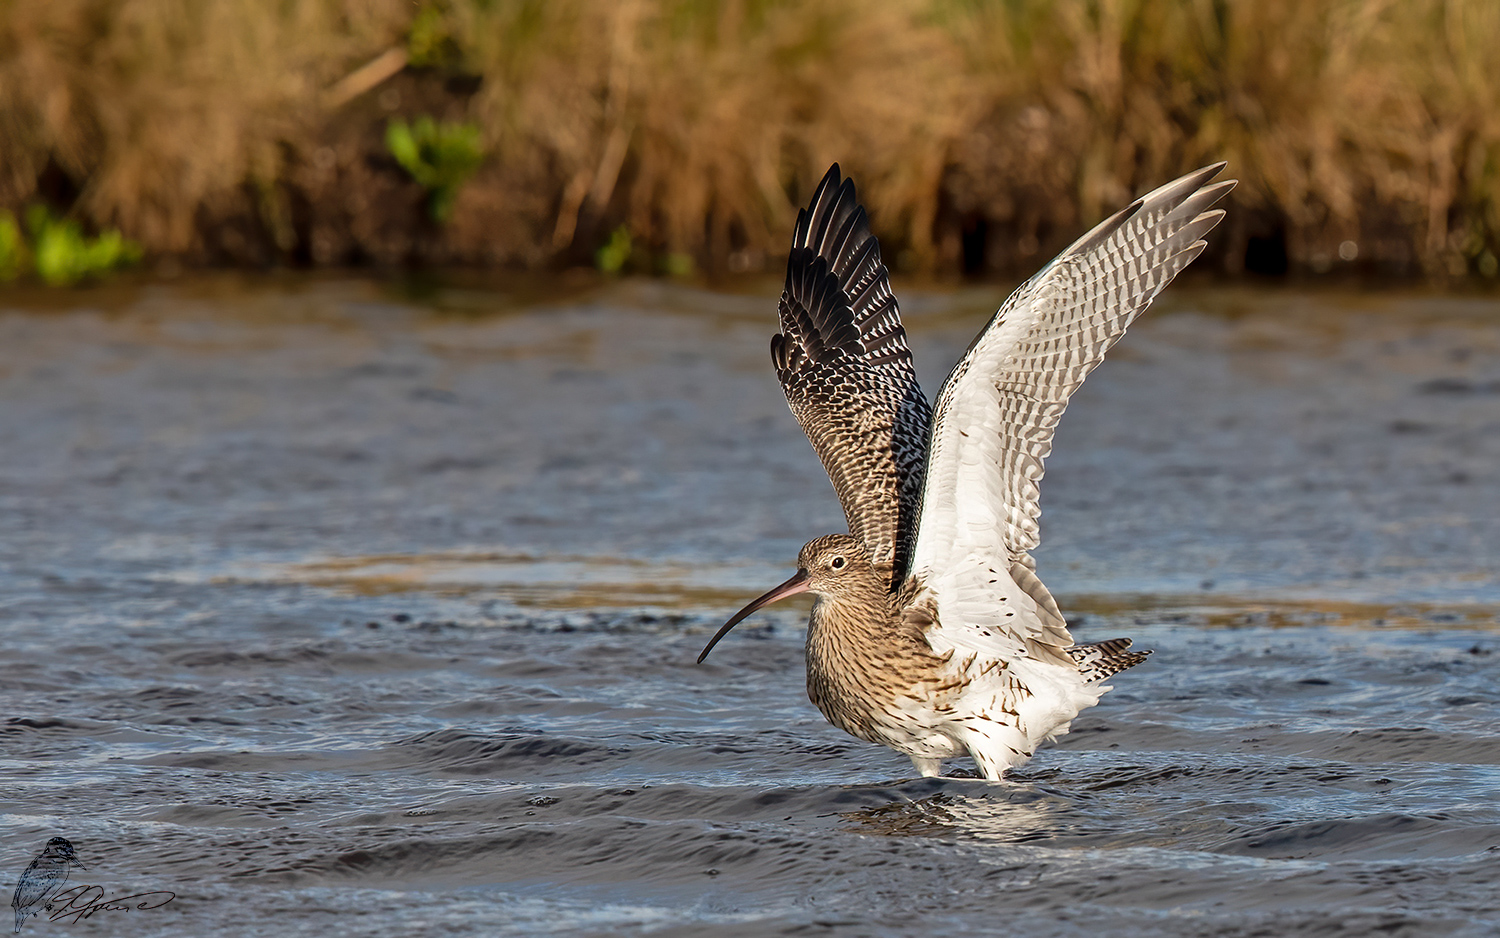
(928, 767)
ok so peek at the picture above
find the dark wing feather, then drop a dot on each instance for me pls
(845, 367)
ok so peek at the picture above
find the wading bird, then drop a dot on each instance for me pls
(931, 633)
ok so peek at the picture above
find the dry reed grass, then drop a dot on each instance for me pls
(981, 132)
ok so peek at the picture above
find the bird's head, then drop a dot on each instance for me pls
(60, 848)
(832, 563)
(829, 566)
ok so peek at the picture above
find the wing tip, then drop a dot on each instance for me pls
(1191, 190)
(1195, 180)
(1102, 231)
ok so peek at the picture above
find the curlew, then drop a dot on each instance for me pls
(931, 633)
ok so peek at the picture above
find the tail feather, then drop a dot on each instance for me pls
(1099, 660)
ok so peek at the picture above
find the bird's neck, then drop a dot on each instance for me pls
(853, 616)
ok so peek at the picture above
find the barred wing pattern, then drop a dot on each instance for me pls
(845, 367)
(998, 409)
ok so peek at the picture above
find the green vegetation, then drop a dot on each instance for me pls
(64, 255)
(12, 248)
(1358, 128)
(677, 264)
(428, 44)
(611, 257)
(441, 157)
(619, 254)
(59, 251)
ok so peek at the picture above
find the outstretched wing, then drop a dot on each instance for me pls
(998, 409)
(844, 364)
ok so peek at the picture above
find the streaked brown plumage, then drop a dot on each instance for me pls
(931, 633)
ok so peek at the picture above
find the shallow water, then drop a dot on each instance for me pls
(337, 609)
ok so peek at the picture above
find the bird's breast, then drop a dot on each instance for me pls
(865, 671)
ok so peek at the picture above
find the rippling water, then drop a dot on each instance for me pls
(334, 609)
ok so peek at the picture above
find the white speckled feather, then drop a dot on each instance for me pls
(997, 411)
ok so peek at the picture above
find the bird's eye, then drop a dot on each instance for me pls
(837, 563)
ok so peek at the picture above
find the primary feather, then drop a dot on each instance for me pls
(844, 364)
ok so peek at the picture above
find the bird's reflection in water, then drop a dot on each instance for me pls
(1019, 811)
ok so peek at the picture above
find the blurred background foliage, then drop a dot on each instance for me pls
(441, 157)
(678, 135)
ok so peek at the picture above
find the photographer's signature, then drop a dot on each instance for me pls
(81, 902)
(41, 890)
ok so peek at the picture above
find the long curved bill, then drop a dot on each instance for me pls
(797, 584)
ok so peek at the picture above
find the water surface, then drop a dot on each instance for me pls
(336, 609)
